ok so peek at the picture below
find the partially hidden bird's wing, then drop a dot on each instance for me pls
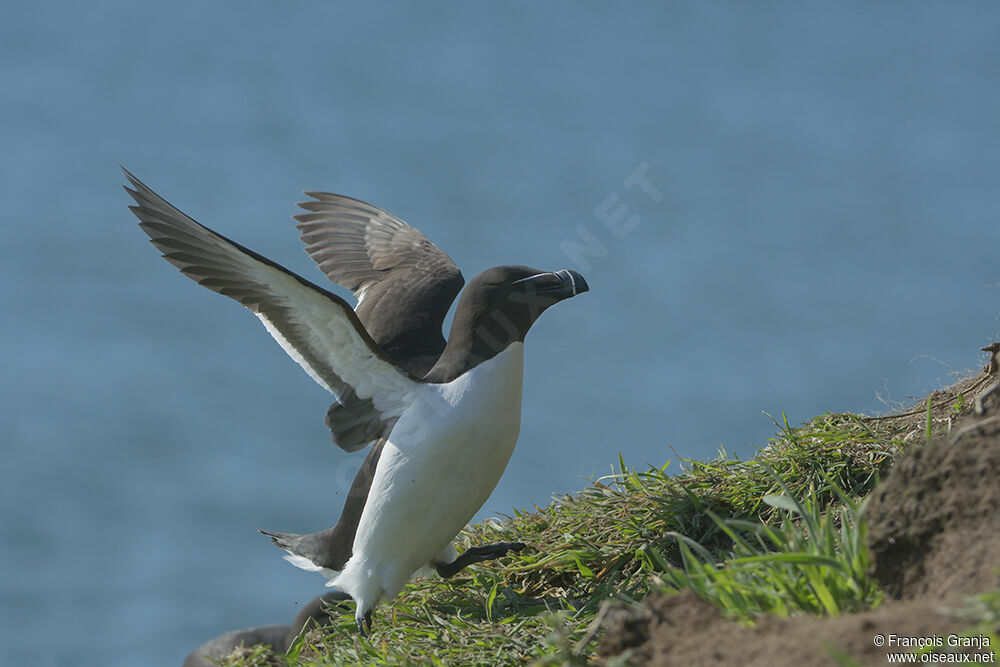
(318, 329)
(375, 254)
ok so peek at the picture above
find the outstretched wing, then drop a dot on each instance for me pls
(375, 254)
(318, 329)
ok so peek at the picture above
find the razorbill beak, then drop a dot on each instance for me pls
(444, 415)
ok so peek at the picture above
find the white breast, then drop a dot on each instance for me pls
(443, 459)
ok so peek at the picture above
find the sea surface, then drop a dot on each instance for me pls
(787, 208)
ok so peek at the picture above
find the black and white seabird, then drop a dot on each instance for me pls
(444, 415)
(278, 637)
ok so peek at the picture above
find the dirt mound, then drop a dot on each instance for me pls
(934, 524)
(683, 629)
(934, 531)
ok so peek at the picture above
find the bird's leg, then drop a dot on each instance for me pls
(476, 555)
(365, 624)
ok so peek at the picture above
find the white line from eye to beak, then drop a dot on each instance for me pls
(537, 275)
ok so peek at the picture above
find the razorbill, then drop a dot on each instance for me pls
(444, 415)
(277, 637)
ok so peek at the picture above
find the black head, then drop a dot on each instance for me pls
(497, 308)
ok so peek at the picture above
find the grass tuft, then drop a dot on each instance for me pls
(813, 561)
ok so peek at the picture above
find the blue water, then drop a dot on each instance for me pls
(817, 230)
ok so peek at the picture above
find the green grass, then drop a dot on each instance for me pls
(812, 562)
(779, 532)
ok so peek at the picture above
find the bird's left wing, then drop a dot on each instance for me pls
(318, 329)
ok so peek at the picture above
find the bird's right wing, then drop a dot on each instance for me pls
(318, 329)
(375, 254)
